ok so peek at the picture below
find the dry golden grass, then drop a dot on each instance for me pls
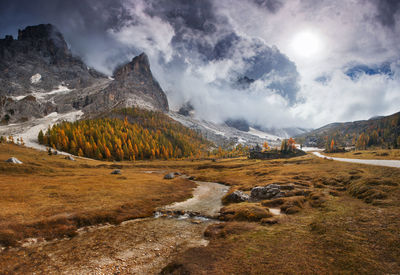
(346, 220)
(369, 154)
(244, 212)
(344, 217)
(49, 196)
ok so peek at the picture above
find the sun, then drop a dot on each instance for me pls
(306, 44)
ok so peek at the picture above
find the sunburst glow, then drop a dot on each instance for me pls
(306, 44)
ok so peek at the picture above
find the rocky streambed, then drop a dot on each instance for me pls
(142, 246)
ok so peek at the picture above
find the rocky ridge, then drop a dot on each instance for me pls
(39, 75)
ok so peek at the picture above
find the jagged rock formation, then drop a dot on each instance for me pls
(39, 75)
(40, 51)
(186, 109)
(133, 84)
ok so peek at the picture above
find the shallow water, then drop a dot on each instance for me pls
(206, 200)
(140, 246)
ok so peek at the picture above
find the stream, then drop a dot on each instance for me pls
(140, 246)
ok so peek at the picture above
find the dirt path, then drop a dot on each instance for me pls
(379, 162)
(142, 246)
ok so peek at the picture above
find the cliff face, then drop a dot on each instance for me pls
(40, 65)
(135, 77)
(40, 51)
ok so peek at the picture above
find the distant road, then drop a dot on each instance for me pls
(379, 162)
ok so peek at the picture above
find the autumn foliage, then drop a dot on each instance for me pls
(288, 145)
(139, 135)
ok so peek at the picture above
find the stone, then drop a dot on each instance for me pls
(69, 157)
(237, 196)
(14, 160)
(169, 176)
(266, 192)
(116, 172)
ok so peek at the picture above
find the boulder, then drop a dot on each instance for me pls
(69, 157)
(116, 172)
(237, 196)
(169, 176)
(266, 192)
(14, 160)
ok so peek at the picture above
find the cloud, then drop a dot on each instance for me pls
(388, 11)
(145, 33)
(200, 49)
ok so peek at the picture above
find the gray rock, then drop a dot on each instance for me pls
(116, 172)
(169, 176)
(14, 160)
(39, 62)
(266, 192)
(237, 196)
(69, 157)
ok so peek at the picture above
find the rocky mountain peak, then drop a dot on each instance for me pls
(40, 75)
(44, 40)
(42, 31)
(45, 37)
(135, 80)
(139, 65)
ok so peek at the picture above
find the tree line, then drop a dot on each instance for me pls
(140, 135)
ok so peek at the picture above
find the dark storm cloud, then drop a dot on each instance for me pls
(388, 11)
(271, 5)
(87, 14)
(196, 14)
(199, 50)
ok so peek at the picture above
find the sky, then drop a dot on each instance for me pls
(274, 63)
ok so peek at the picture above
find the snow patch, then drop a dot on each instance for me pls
(42, 96)
(29, 131)
(36, 78)
(262, 134)
(18, 98)
(60, 90)
(223, 134)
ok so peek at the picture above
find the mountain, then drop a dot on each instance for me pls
(40, 75)
(133, 85)
(42, 83)
(378, 131)
(224, 135)
(40, 59)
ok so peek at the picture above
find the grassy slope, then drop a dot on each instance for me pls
(369, 154)
(342, 235)
(49, 196)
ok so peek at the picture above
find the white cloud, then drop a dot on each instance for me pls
(346, 30)
(149, 34)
